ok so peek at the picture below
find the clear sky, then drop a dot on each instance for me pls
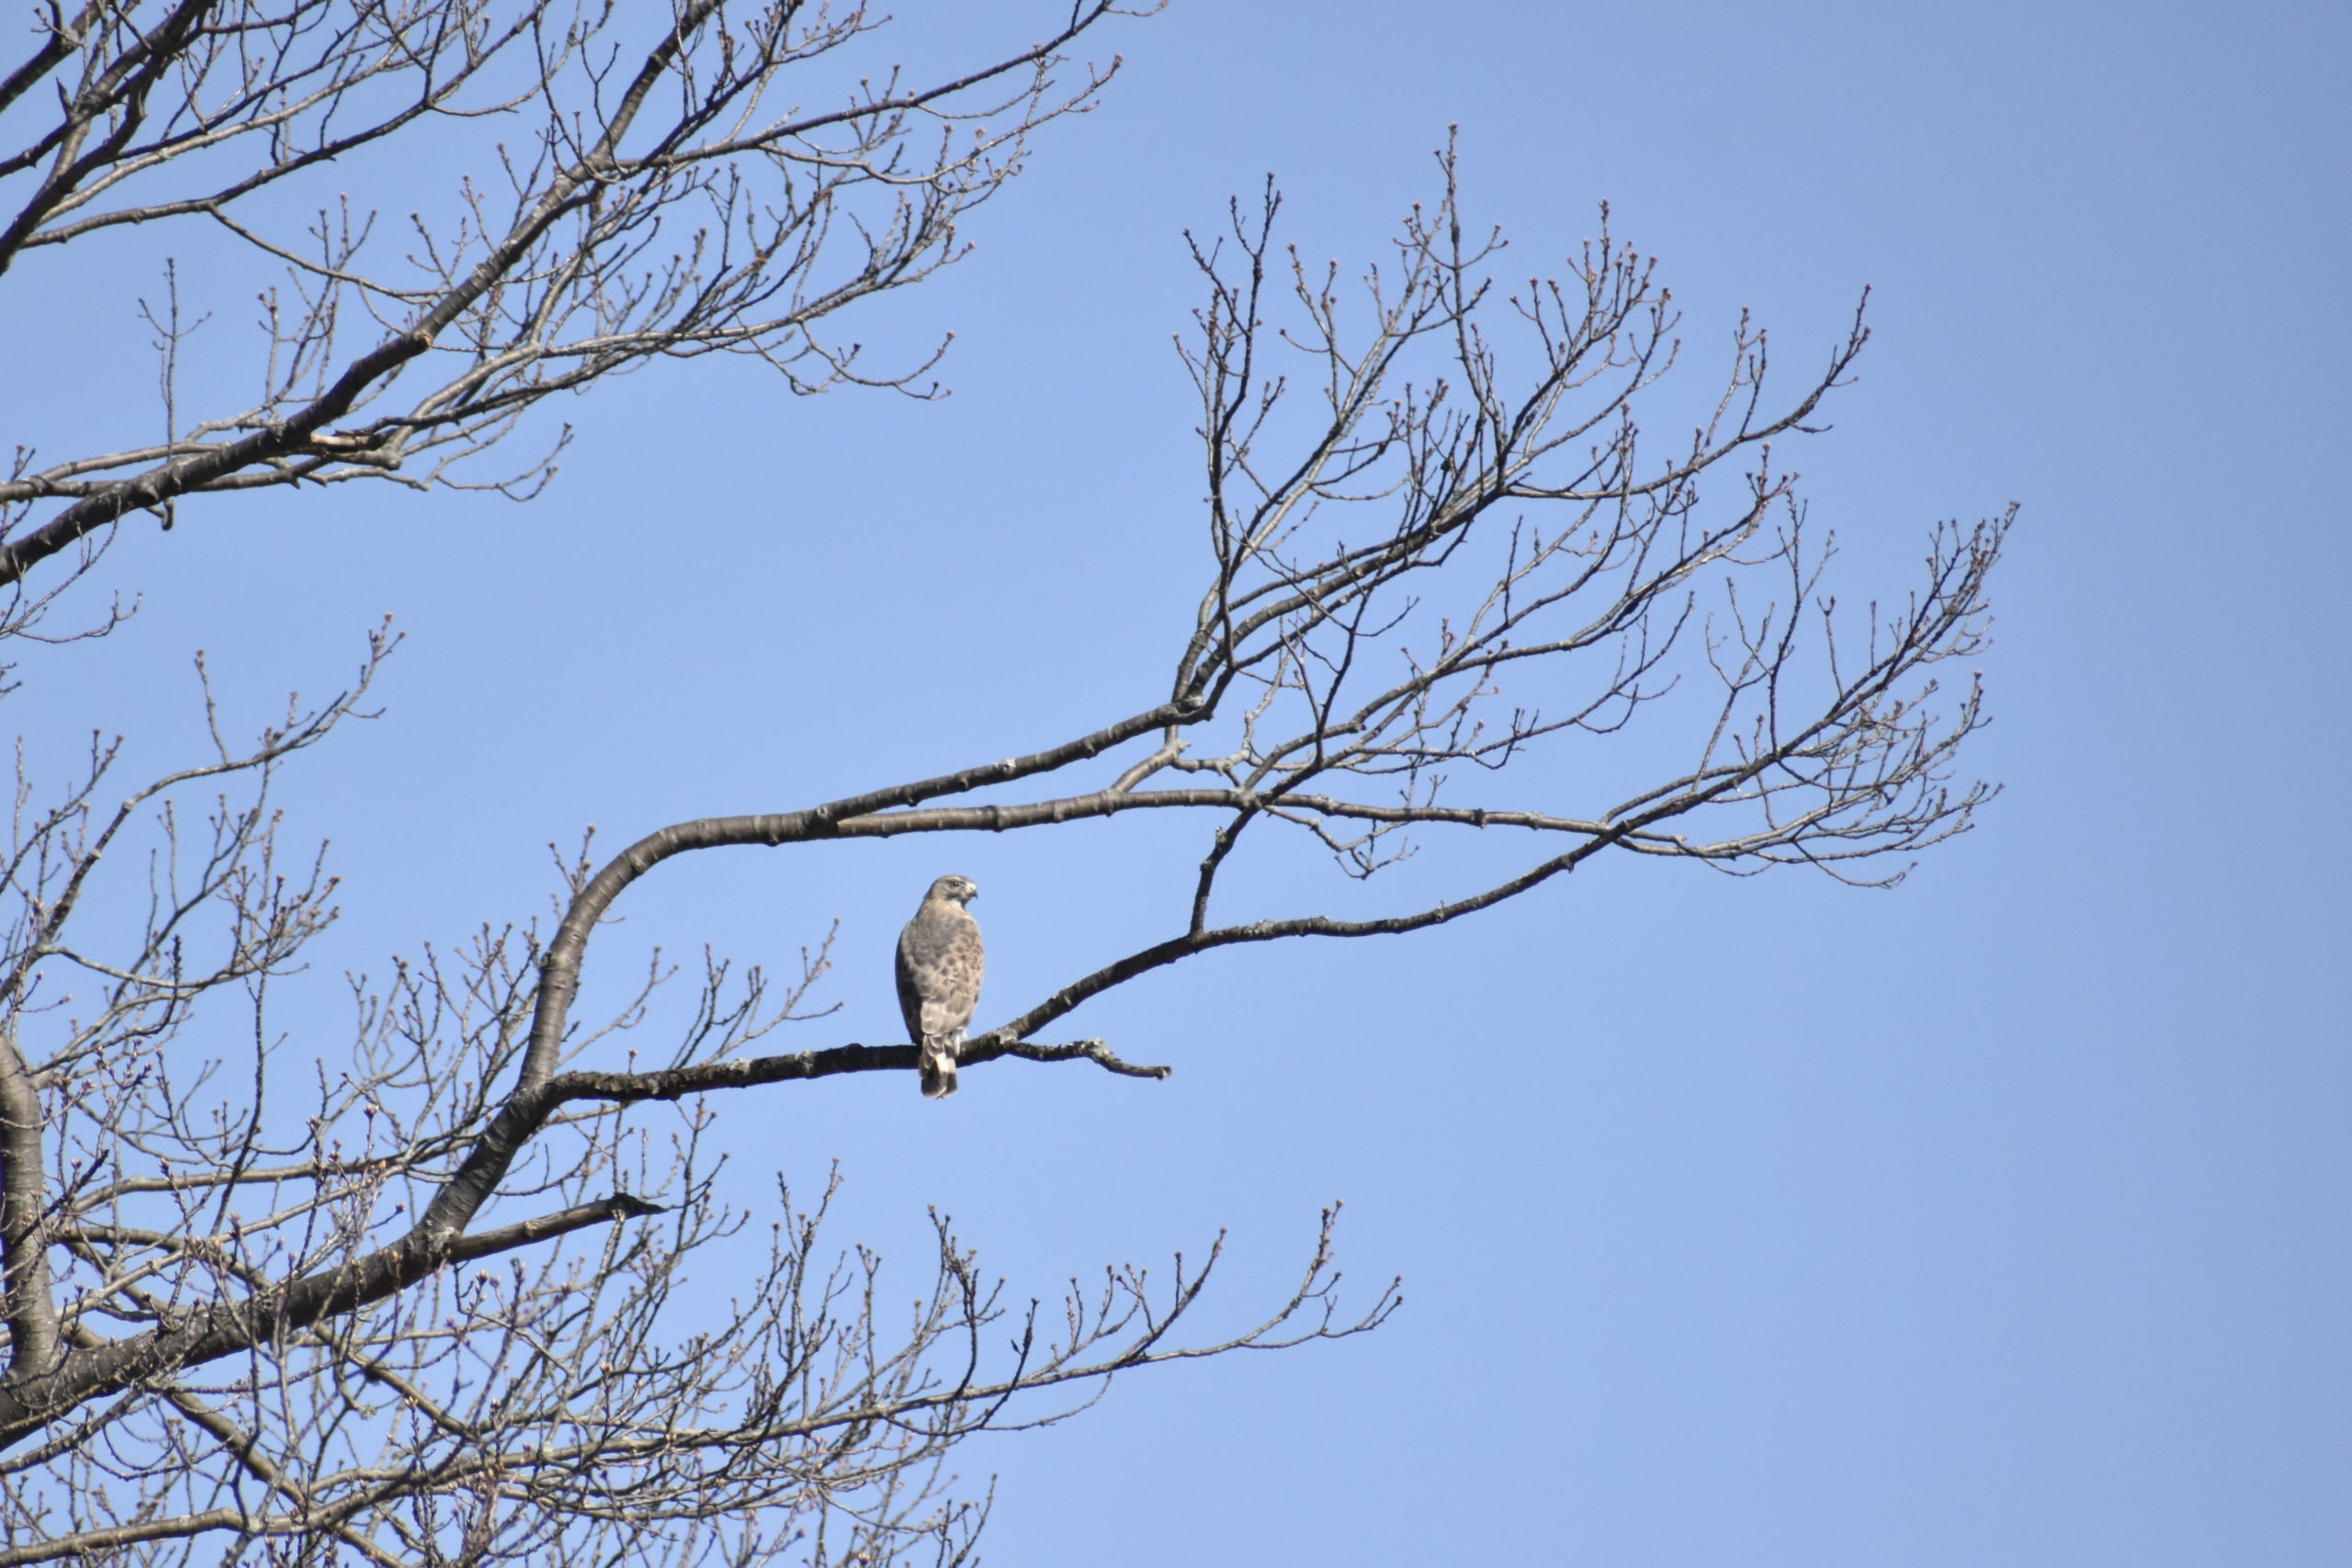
(1997, 1219)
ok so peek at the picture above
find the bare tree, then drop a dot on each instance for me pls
(432, 1310)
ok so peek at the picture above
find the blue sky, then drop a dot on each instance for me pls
(1997, 1219)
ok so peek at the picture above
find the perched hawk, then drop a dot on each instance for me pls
(940, 964)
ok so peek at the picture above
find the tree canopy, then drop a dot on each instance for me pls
(1435, 539)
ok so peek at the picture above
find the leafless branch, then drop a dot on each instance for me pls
(673, 192)
(425, 1307)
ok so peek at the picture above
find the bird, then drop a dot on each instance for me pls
(939, 965)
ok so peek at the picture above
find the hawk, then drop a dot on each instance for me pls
(940, 965)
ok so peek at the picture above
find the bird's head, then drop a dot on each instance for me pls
(962, 889)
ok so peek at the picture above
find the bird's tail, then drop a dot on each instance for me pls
(938, 1064)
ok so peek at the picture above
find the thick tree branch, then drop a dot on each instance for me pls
(24, 1250)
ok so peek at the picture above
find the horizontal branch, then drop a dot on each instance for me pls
(706, 1077)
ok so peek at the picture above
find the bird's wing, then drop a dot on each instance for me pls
(948, 977)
